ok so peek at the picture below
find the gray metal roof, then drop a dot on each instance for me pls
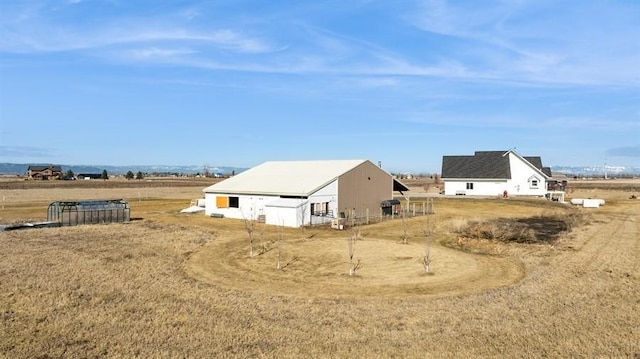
(486, 165)
(285, 178)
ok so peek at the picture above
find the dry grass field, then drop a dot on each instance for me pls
(175, 285)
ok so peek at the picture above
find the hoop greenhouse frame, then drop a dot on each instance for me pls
(71, 213)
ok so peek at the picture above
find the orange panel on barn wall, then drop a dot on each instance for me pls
(222, 202)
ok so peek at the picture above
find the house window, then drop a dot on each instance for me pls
(234, 202)
(534, 183)
(469, 185)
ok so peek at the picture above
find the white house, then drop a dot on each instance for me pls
(296, 193)
(491, 173)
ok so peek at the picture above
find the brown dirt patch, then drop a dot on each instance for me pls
(319, 267)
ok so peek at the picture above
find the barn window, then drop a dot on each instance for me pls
(234, 202)
(222, 202)
(320, 209)
(469, 185)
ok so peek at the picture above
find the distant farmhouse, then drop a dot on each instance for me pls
(299, 193)
(88, 176)
(491, 173)
(49, 172)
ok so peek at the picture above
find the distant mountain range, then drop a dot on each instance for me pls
(21, 168)
(597, 170)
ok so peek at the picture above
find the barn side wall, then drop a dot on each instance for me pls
(362, 188)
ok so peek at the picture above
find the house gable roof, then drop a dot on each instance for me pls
(484, 164)
(285, 178)
(487, 165)
(43, 168)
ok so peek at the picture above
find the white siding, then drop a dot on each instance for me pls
(480, 187)
(521, 175)
(289, 215)
(327, 194)
(249, 206)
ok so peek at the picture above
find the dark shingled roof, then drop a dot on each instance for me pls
(485, 165)
(42, 168)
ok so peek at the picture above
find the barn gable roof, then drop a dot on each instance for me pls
(486, 165)
(285, 178)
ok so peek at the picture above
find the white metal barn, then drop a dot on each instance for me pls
(491, 173)
(296, 193)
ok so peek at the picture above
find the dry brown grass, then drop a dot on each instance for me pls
(171, 285)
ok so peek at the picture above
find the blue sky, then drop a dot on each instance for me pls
(237, 82)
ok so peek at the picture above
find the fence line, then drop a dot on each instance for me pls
(408, 209)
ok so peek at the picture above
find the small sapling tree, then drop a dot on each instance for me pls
(249, 224)
(279, 247)
(354, 233)
(405, 228)
(302, 213)
(426, 259)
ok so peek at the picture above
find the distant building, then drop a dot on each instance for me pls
(491, 173)
(47, 172)
(88, 176)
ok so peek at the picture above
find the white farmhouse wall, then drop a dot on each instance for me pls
(480, 187)
(451, 187)
(521, 175)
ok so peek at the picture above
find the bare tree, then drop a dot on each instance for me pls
(405, 228)
(354, 233)
(261, 243)
(426, 259)
(249, 226)
(303, 216)
(279, 247)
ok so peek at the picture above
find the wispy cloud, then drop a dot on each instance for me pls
(70, 40)
(25, 151)
(517, 120)
(159, 53)
(37, 29)
(629, 151)
(518, 43)
(569, 42)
